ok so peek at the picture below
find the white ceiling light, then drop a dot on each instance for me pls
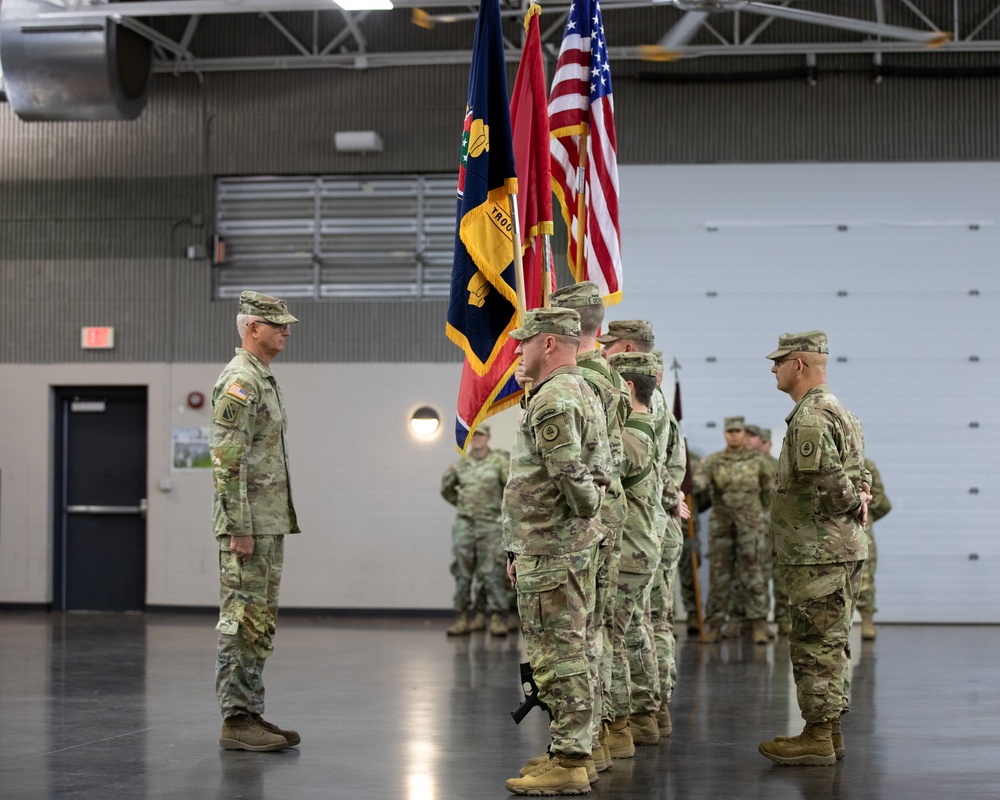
(365, 5)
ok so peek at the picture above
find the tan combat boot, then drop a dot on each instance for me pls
(619, 739)
(513, 621)
(760, 631)
(478, 622)
(644, 729)
(838, 740)
(784, 627)
(557, 775)
(243, 732)
(600, 757)
(497, 625)
(663, 721)
(460, 627)
(868, 625)
(811, 748)
(292, 737)
(603, 741)
(533, 763)
(710, 634)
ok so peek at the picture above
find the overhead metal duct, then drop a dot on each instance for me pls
(72, 68)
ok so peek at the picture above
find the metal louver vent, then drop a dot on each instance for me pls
(330, 237)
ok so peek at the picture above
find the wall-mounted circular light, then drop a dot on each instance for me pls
(425, 421)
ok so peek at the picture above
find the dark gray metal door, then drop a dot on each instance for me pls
(100, 548)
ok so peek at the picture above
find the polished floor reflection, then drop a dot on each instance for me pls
(122, 706)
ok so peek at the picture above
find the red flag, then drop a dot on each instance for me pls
(529, 118)
(482, 396)
(581, 103)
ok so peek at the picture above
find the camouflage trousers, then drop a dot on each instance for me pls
(661, 603)
(477, 559)
(555, 599)
(823, 598)
(866, 597)
(735, 545)
(248, 612)
(635, 684)
(609, 556)
(685, 576)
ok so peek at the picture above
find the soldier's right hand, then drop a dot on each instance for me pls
(519, 375)
(242, 546)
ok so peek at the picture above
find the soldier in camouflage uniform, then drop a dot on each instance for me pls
(560, 470)
(697, 502)
(625, 336)
(474, 485)
(782, 614)
(252, 513)
(585, 298)
(818, 514)
(877, 508)
(740, 483)
(636, 682)
(673, 464)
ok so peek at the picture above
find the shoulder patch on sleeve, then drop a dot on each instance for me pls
(239, 392)
(554, 431)
(808, 449)
(229, 411)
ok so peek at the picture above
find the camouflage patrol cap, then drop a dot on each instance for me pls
(482, 427)
(658, 355)
(635, 330)
(753, 430)
(576, 295)
(734, 424)
(808, 342)
(634, 363)
(268, 308)
(561, 321)
(765, 434)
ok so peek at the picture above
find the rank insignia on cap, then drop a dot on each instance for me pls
(238, 392)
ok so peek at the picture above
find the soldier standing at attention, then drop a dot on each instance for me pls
(474, 485)
(252, 513)
(628, 336)
(818, 516)
(560, 469)
(877, 508)
(635, 685)
(614, 397)
(782, 616)
(740, 483)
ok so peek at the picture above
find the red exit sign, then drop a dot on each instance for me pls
(97, 338)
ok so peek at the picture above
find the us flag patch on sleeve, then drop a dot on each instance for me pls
(237, 391)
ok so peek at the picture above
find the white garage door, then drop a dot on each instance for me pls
(899, 264)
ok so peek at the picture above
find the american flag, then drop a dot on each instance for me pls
(580, 103)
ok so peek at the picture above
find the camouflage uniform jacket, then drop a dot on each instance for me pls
(253, 494)
(560, 462)
(672, 450)
(739, 481)
(772, 466)
(641, 537)
(475, 485)
(817, 487)
(879, 505)
(614, 396)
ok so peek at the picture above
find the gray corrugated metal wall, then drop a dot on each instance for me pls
(95, 217)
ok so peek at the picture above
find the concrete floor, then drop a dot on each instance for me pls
(122, 706)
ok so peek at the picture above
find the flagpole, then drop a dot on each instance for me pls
(581, 201)
(518, 273)
(546, 270)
